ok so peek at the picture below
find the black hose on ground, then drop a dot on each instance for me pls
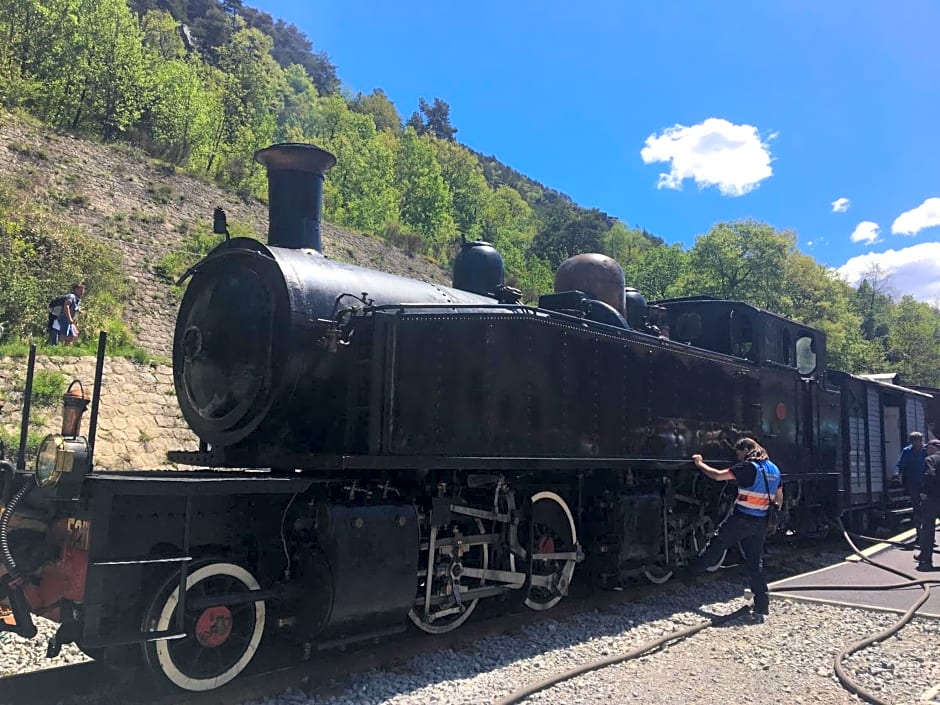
(534, 688)
(847, 681)
(906, 545)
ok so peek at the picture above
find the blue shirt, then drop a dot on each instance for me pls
(911, 465)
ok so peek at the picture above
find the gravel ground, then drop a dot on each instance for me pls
(788, 659)
(18, 655)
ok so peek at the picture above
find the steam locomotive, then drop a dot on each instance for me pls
(379, 451)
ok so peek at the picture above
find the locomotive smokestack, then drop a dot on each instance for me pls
(295, 193)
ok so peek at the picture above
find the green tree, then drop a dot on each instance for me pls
(624, 244)
(212, 27)
(360, 189)
(299, 106)
(382, 110)
(425, 204)
(469, 192)
(914, 341)
(566, 232)
(435, 120)
(26, 35)
(509, 219)
(252, 91)
(658, 271)
(740, 260)
(291, 46)
(94, 70)
(161, 36)
(873, 301)
(814, 295)
(183, 113)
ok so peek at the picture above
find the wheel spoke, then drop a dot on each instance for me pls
(441, 586)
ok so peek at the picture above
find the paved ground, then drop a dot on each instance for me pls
(852, 571)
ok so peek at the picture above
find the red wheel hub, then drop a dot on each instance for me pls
(545, 544)
(214, 626)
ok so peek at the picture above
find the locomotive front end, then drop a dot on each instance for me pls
(43, 537)
(256, 360)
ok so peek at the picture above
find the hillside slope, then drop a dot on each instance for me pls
(144, 209)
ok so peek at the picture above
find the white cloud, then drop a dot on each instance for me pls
(841, 205)
(913, 270)
(911, 222)
(712, 153)
(866, 232)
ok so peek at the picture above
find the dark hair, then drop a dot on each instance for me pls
(915, 436)
(752, 448)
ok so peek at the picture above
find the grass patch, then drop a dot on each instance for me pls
(27, 150)
(48, 387)
(160, 194)
(11, 443)
(69, 199)
(412, 243)
(147, 218)
(19, 350)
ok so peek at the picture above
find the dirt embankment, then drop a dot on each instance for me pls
(144, 209)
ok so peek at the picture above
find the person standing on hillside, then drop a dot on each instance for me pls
(62, 313)
(759, 485)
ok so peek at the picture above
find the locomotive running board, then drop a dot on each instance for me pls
(310, 462)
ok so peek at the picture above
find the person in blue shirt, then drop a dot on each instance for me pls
(910, 469)
(759, 485)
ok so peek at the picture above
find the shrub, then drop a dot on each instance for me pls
(48, 387)
(11, 443)
(411, 243)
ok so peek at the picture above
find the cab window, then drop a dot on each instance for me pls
(805, 354)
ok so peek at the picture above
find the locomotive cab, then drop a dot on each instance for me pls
(745, 331)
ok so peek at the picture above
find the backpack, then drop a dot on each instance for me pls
(56, 304)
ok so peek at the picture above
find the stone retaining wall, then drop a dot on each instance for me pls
(139, 419)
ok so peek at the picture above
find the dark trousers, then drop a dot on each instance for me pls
(913, 490)
(751, 532)
(930, 512)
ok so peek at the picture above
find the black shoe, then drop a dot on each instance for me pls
(907, 547)
(925, 567)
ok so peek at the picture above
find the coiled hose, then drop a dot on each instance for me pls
(5, 553)
(847, 681)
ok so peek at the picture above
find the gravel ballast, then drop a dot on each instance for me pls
(18, 655)
(788, 659)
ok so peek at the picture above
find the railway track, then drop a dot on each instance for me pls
(94, 684)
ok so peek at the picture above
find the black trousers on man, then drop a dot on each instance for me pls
(929, 512)
(913, 491)
(751, 532)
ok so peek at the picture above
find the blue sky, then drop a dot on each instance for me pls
(675, 116)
